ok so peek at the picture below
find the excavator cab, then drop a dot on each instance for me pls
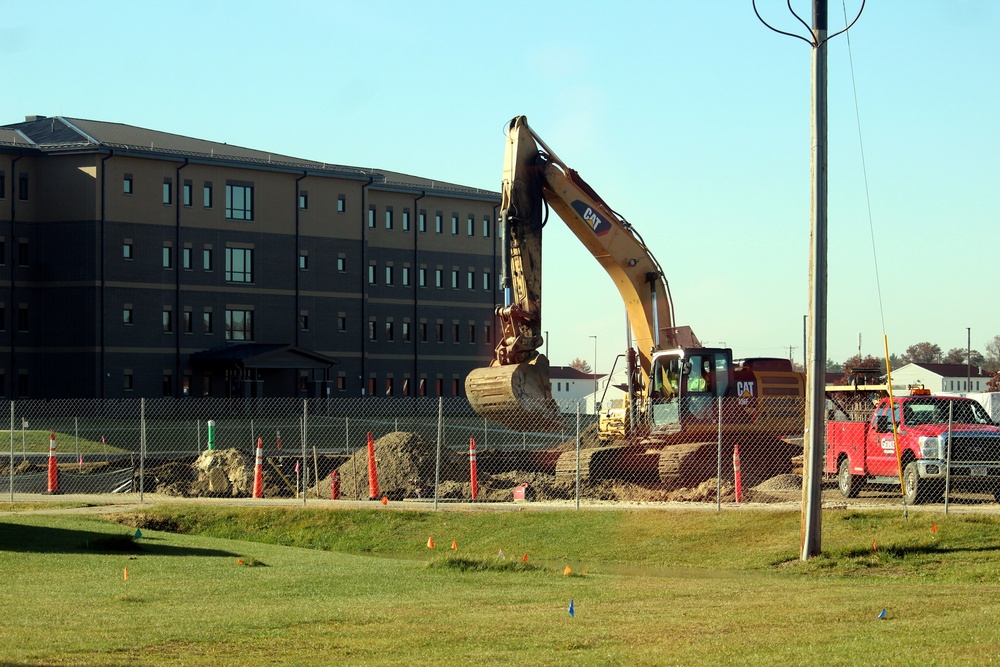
(685, 385)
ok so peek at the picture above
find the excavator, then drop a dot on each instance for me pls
(670, 422)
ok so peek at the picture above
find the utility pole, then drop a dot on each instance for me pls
(968, 358)
(815, 427)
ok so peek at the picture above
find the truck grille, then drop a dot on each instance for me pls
(975, 448)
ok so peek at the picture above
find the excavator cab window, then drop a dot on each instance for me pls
(685, 388)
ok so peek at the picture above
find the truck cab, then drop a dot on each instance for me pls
(941, 440)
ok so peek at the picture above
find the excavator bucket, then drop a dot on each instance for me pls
(517, 396)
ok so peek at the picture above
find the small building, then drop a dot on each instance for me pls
(571, 386)
(940, 378)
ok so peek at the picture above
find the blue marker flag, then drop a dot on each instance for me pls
(571, 613)
(881, 615)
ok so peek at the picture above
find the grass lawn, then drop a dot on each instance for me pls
(361, 587)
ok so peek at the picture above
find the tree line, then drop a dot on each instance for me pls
(925, 353)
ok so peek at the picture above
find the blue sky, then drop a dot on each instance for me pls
(689, 118)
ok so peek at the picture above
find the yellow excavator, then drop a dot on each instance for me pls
(673, 381)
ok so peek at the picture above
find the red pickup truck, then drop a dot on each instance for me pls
(934, 432)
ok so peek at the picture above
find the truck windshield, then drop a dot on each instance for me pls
(935, 411)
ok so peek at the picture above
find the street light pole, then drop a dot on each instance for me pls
(596, 407)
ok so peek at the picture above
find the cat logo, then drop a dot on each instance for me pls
(745, 389)
(592, 218)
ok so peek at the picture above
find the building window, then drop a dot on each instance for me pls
(168, 384)
(187, 193)
(341, 264)
(239, 202)
(438, 223)
(422, 221)
(168, 257)
(239, 265)
(341, 383)
(470, 279)
(454, 224)
(127, 184)
(371, 217)
(486, 333)
(168, 320)
(406, 276)
(388, 275)
(422, 277)
(127, 250)
(304, 261)
(456, 333)
(22, 317)
(303, 200)
(22, 384)
(486, 228)
(390, 334)
(168, 190)
(439, 330)
(127, 379)
(206, 259)
(304, 320)
(207, 195)
(472, 225)
(454, 278)
(372, 330)
(188, 320)
(423, 332)
(439, 385)
(22, 253)
(3, 195)
(206, 321)
(187, 258)
(454, 386)
(22, 187)
(406, 332)
(127, 315)
(472, 333)
(406, 219)
(438, 277)
(371, 274)
(239, 324)
(486, 280)
(3, 254)
(341, 322)
(341, 204)
(388, 217)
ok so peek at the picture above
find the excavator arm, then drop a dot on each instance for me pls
(515, 389)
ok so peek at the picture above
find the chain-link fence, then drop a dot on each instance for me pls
(423, 449)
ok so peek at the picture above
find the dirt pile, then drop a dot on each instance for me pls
(220, 473)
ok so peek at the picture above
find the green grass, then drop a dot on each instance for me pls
(316, 586)
(38, 441)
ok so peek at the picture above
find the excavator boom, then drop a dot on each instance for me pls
(515, 389)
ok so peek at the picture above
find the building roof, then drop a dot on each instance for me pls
(951, 370)
(263, 355)
(60, 134)
(570, 373)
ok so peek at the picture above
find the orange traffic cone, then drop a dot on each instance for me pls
(567, 571)
(53, 480)
(524, 558)
(430, 542)
(258, 470)
(454, 545)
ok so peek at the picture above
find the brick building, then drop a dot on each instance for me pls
(141, 263)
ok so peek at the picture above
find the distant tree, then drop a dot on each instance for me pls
(865, 370)
(992, 361)
(580, 365)
(994, 383)
(922, 353)
(833, 367)
(957, 355)
(895, 361)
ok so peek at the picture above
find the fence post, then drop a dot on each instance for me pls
(142, 449)
(947, 460)
(437, 458)
(305, 460)
(578, 452)
(718, 461)
(11, 469)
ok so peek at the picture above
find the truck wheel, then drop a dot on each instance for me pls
(914, 490)
(848, 484)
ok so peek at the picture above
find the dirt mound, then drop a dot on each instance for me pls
(405, 465)
(786, 482)
(708, 491)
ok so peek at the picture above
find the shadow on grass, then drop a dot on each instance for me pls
(897, 551)
(19, 537)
